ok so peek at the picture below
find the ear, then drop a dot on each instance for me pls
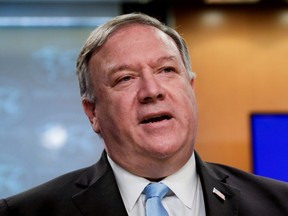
(89, 109)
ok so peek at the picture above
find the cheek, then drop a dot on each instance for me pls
(188, 103)
(125, 103)
(115, 110)
(188, 96)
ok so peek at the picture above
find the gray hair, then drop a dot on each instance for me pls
(100, 35)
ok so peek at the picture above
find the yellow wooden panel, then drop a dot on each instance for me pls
(240, 57)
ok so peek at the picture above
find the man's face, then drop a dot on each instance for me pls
(145, 108)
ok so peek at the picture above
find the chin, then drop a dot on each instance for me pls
(165, 150)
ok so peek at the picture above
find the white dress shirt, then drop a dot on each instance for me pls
(184, 198)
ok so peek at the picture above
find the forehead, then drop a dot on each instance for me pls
(146, 39)
(136, 44)
(130, 28)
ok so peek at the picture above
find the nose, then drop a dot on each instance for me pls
(150, 89)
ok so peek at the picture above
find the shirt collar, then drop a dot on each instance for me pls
(182, 183)
(125, 181)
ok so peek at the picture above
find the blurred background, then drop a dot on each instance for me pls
(239, 50)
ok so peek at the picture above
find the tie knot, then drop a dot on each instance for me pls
(155, 190)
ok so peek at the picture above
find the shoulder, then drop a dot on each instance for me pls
(44, 197)
(239, 177)
(251, 194)
(56, 197)
(53, 186)
(256, 193)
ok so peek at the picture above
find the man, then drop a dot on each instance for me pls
(137, 91)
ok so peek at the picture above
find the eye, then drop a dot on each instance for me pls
(123, 79)
(168, 69)
(126, 78)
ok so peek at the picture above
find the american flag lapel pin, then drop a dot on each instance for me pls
(219, 194)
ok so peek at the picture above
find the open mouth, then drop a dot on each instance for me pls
(155, 119)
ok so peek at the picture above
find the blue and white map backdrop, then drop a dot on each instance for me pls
(43, 129)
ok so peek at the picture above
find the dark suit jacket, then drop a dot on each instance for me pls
(93, 191)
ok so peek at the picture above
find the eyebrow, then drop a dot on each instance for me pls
(118, 68)
(166, 58)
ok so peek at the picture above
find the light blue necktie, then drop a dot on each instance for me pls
(154, 193)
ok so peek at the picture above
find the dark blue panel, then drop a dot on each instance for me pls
(270, 145)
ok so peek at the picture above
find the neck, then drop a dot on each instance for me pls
(156, 180)
(153, 168)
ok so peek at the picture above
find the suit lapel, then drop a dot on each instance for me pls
(100, 195)
(220, 198)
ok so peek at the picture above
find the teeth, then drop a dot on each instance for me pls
(156, 119)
